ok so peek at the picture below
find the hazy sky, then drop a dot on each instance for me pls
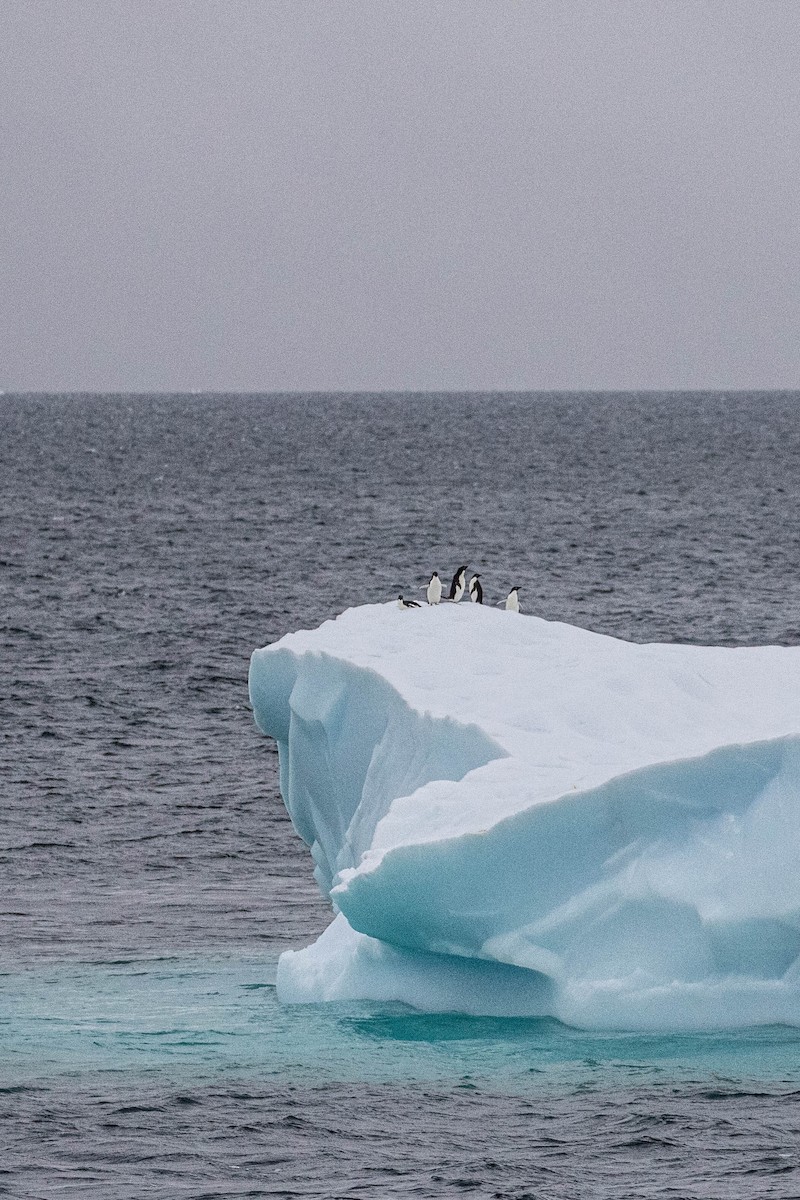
(394, 194)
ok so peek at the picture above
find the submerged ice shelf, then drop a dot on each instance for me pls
(517, 817)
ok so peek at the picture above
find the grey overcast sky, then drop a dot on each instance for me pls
(399, 194)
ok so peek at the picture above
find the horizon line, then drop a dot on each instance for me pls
(499, 391)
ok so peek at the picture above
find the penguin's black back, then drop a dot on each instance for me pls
(461, 571)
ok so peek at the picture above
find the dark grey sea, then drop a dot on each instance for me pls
(149, 876)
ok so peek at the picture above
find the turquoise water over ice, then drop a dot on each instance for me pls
(199, 1019)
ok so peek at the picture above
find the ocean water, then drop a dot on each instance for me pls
(149, 876)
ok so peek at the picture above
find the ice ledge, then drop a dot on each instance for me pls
(514, 816)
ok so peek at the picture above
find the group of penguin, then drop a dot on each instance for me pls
(457, 589)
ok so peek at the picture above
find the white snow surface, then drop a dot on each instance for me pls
(518, 817)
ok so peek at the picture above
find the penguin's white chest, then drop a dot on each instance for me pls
(434, 591)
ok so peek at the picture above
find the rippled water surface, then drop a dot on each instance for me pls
(149, 877)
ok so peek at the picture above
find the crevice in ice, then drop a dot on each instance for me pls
(348, 746)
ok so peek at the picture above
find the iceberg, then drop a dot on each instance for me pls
(518, 817)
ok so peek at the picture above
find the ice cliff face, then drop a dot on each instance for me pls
(518, 817)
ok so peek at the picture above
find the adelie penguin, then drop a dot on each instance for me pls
(434, 589)
(475, 590)
(401, 603)
(512, 600)
(458, 585)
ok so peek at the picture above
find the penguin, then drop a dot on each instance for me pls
(434, 590)
(401, 603)
(458, 585)
(475, 590)
(512, 600)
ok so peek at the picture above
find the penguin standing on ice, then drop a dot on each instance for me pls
(512, 600)
(475, 590)
(434, 589)
(458, 585)
(401, 603)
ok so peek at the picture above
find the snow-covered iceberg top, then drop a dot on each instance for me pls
(513, 816)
